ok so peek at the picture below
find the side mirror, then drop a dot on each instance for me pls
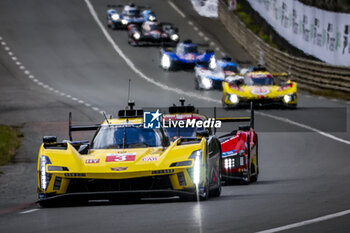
(84, 149)
(49, 139)
(203, 133)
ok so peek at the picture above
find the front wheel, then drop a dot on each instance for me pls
(196, 84)
(217, 192)
(204, 195)
(132, 42)
(224, 105)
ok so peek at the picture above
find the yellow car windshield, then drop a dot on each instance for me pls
(116, 137)
(261, 81)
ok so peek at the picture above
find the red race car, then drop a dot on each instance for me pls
(240, 154)
(239, 149)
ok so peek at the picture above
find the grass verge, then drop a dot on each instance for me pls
(9, 142)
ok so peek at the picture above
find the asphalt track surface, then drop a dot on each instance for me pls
(304, 174)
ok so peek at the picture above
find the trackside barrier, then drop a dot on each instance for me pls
(310, 75)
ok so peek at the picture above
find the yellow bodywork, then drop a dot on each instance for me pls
(285, 95)
(150, 161)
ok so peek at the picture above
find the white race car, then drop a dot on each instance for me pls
(210, 76)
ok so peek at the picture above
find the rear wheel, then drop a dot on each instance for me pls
(249, 169)
(256, 165)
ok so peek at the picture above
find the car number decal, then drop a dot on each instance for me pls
(121, 157)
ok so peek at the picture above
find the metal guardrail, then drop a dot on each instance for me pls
(310, 75)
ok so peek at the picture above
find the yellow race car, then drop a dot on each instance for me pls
(125, 159)
(258, 86)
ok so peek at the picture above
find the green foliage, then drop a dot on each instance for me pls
(9, 143)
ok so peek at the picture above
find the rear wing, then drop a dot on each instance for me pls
(283, 74)
(249, 119)
(115, 6)
(79, 127)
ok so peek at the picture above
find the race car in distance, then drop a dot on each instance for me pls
(185, 56)
(239, 148)
(129, 14)
(151, 32)
(258, 85)
(123, 160)
(210, 76)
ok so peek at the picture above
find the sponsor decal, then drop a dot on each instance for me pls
(118, 169)
(260, 91)
(189, 56)
(151, 158)
(229, 153)
(121, 157)
(151, 119)
(92, 161)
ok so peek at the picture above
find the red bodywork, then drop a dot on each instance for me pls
(244, 140)
(241, 149)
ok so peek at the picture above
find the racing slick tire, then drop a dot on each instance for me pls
(112, 26)
(197, 196)
(292, 106)
(205, 195)
(48, 204)
(132, 42)
(217, 192)
(247, 179)
(224, 105)
(256, 167)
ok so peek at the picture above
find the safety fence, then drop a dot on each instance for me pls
(309, 74)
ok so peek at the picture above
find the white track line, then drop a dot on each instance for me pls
(135, 69)
(28, 211)
(177, 9)
(37, 81)
(186, 93)
(307, 222)
(304, 126)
